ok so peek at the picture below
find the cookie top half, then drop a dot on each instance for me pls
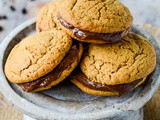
(47, 17)
(123, 62)
(97, 16)
(37, 55)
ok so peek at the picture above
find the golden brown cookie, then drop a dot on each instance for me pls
(43, 60)
(47, 17)
(36, 55)
(116, 67)
(99, 21)
(63, 70)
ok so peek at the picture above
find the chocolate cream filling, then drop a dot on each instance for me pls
(54, 74)
(120, 89)
(85, 35)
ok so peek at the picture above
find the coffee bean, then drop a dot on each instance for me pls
(1, 28)
(12, 8)
(24, 11)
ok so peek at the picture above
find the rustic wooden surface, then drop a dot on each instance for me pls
(152, 108)
(15, 12)
(8, 112)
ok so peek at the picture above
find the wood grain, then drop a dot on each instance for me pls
(152, 108)
(7, 111)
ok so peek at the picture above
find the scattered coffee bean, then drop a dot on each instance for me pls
(3, 17)
(12, 8)
(24, 11)
(1, 28)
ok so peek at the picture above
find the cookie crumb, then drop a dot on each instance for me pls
(24, 11)
(12, 8)
(1, 28)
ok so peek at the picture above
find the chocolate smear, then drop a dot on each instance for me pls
(86, 35)
(120, 89)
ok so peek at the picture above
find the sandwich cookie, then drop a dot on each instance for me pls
(47, 17)
(114, 69)
(42, 60)
(95, 21)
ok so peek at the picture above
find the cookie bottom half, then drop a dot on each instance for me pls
(55, 77)
(104, 90)
(91, 91)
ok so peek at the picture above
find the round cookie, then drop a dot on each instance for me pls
(37, 55)
(100, 21)
(123, 62)
(47, 17)
(116, 68)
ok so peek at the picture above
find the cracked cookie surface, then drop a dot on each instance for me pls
(47, 17)
(98, 16)
(118, 63)
(37, 55)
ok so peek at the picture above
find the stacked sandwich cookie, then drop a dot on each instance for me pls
(116, 68)
(113, 62)
(95, 21)
(42, 60)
